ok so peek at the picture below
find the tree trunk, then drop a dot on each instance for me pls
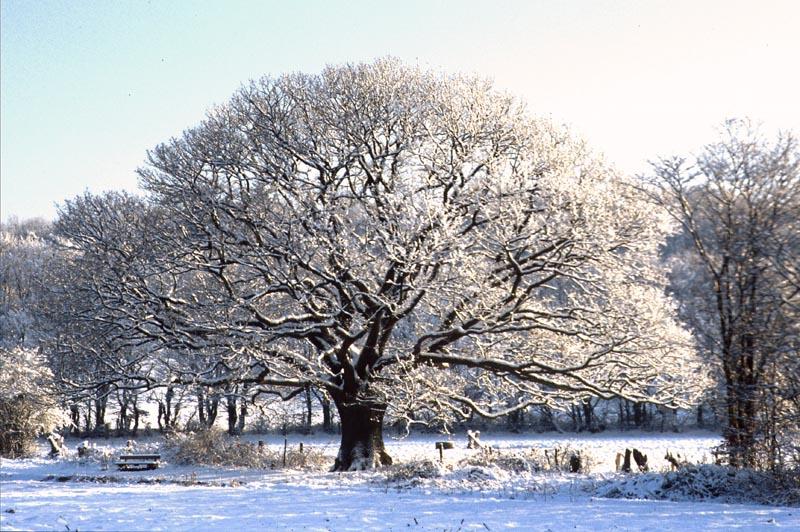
(168, 408)
(362, 436)
(577, 419)
(327, 419)
(122, 417)
(641, 417)
(201, 407)
(100, 404)
(325, 402)
(211, 404)
(136, 414)
(233, 416)
(588, 415)
(87, 416)
(242, 416)
(160, 416)
(515, 420)
(75, 416)
(740, 434)
(700, 416)
(309, 417)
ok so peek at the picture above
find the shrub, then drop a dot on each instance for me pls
(17, 430)
(707, 481)
(215, 447)
(513, 462)
(28, 407)
(535, 460)
(414, 470)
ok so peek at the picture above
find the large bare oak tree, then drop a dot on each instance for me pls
(398, 239)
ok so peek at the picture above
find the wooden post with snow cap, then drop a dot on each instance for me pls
(441, 446)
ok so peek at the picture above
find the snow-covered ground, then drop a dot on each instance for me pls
(81, 495)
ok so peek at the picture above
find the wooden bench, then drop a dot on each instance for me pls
(135, 462)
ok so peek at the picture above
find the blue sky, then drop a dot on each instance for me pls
(88, 87)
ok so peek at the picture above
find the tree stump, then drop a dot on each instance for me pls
(56, 442)
(641, 460)
(474, 439)
(575, 463)
(674, 462)
(626, 464)
(83, 449)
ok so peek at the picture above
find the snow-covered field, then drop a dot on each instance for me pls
(82, 495)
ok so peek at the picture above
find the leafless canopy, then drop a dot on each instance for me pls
(388, 235)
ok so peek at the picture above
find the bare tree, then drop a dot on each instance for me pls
(395, 238)
(24, 254)
(738, 203)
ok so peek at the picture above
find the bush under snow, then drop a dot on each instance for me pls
(27, 401)
(214, 447)
(707, 481)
